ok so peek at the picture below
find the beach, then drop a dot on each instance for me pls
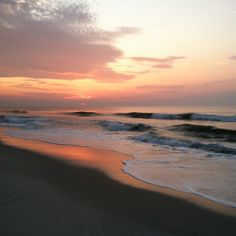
(117, 118)
(45, 195)
(193, 158)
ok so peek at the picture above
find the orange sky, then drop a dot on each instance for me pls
(132, 53)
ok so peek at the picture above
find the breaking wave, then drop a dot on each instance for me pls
(26, 122)
(204, 131)
(122, 126)
(181, 116)
(136, 115)
(154, 138)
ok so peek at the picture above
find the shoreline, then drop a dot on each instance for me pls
(87, 191)
(97, 158)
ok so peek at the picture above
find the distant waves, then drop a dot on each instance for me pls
(148, 115)
(162, 116)
(149, 133)
(83, 113)
(181, 116)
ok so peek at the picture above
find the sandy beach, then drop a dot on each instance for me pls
(44, 195)
(117, 118)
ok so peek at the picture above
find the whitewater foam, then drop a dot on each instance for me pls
(185, 177)
(154, 138)
(27, 122)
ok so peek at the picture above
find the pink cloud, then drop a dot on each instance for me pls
(154, 59)
(103, 74)
(49, 40)
(232, 58)
(163, 66)
(160, 63)
(160, 87)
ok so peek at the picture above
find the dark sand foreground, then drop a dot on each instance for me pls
(41, 195)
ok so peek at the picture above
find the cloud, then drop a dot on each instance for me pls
(160, 87)
(159, 63)
(157, 60)
(48, 39)
(222, 81)
(104, 72)
(232, 58)
(28, 86)
(56, 96)
(163, 66)
(141, 72)
(128, 30)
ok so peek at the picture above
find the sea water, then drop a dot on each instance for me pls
(187, 149)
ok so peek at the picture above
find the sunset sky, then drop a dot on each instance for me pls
(110, 52)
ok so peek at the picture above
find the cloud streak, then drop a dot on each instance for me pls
(158, 63)
(45, 39)
(232, 58)
(160, 87)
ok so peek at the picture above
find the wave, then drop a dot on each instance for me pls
(195, 116)
(181, 116)
(18, 111)
(204, 131)
(136, 115)
(26, 122)
(122, 126)
(206, 185)
(83, 113)
(154, 138)
(211, 117)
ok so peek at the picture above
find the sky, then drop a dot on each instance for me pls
(117, 53)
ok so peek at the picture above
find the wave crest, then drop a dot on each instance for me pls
(204, 131)
(181, 116)
(26, 122)
(83, 113)
(154, 138)
(122, 126)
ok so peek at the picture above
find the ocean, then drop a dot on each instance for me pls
(187, 149)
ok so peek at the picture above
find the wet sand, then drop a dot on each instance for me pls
(46, 195)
